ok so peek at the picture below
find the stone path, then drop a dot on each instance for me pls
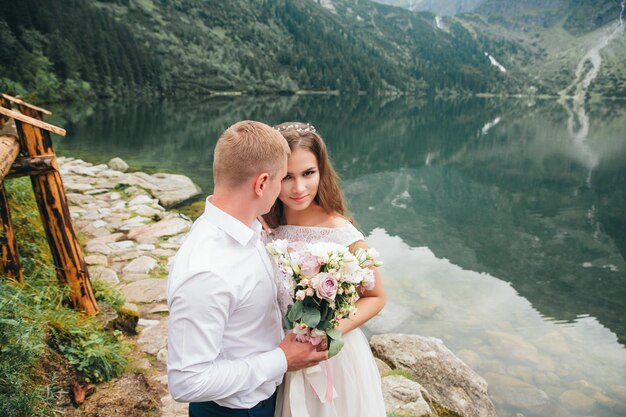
(129, 240)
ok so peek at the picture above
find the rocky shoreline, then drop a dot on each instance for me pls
(130, 239)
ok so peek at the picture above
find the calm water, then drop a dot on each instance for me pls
(502, 224)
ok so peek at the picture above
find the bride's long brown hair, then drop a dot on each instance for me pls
(329, 195)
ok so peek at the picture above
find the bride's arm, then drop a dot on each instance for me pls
(370, 303)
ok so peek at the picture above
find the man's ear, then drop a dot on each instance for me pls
(260, 184)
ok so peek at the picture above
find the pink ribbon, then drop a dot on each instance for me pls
(329, 381)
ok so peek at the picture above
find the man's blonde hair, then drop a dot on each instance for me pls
(245, 150)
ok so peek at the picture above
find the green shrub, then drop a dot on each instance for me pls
(106, 293)
(36, 317)
(21, 345)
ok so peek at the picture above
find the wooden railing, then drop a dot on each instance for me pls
(26, 149)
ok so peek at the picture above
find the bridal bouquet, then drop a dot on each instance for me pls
(323, 279)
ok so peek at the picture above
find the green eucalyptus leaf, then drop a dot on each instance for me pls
(295, 312)
(335, 346)
(334, 334)
(311, 317)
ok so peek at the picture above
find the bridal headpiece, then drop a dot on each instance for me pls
(298, 127)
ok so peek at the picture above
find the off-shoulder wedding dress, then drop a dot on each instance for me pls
(356, 386)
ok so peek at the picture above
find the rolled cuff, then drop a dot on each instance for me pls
(272, 364)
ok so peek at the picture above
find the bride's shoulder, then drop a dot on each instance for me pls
(336, 221)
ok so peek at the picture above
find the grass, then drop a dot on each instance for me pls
(35, 318)
(400, 372)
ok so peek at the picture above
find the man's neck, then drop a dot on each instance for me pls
(233, 202)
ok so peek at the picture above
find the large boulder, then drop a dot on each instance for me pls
(170, 189)
(118, 164)
(453, 388)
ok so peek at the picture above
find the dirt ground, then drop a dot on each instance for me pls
(132, 394)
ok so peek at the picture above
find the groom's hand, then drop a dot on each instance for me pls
(300, 355)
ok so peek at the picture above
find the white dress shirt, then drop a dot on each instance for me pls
(225, 324)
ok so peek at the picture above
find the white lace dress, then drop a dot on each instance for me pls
(355, 377)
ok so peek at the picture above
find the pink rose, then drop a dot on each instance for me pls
(309, 265)
(327, 287)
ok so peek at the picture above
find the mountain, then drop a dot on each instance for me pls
(440, 7)
(79, 49)
(565, 40)
(116, 47)
(575, 16)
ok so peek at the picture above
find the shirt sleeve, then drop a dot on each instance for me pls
(199, 311)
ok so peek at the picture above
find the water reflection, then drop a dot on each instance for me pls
(530, 363)
(530, 215)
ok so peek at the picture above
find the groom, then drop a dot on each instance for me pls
(226, 351)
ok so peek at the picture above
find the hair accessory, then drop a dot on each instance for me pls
(307, 129)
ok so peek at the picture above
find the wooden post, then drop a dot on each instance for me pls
(57, 221)
(9, 256)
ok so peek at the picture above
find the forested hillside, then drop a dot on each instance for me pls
(74, 49)
(83, 48)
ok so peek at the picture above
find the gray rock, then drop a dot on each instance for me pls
(146, 211)
(470, 357)
(141, 265)
(134, 222)
(118, 164)
(515, 392)
(162, 355)
(383, 368)
(140, 200)
(162, 253)
(450, 383)
(170, 189)
(167, 227)
(99, 223)
(159, 308)
(147, 323)
(97, 259)
(98, 247)
(107, 275)
(131, 308)
(122, 245)
(405, 397)
(130, 277)
(113, 237)
(513, 346)
(171, 408)
(96, 191)
(145, 291)
(77, 187)
(125, 256)
(576, 401)
(154, 338)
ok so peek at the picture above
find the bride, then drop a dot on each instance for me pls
(311, 208)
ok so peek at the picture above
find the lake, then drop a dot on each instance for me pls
(502, 223)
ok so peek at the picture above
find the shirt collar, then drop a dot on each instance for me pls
(230, 225)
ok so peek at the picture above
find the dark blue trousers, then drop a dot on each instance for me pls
(210, 409)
